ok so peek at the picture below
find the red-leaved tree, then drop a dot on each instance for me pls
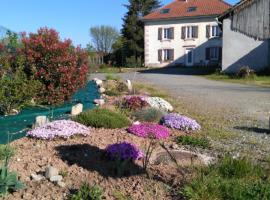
(58, 65)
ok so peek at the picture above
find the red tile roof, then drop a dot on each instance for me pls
(179, 9)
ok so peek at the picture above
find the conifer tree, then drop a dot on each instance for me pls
(133, 27)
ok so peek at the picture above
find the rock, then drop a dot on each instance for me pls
(51, 171)
(61, 184)
(40, 121)
(37, 177)
(56, 178)
(99, 102)
(77, 109)
(129, 86)
(14, 112)
(136, 123)
(101, 90)
(98, 81)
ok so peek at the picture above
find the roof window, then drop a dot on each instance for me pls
(164, 11)
(192, 9)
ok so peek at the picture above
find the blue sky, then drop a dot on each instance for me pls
(72, 18)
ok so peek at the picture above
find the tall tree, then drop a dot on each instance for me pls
(133, 27)
(103, 38)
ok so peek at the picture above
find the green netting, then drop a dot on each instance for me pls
(14, 127)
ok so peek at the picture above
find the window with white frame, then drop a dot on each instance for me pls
(166, 54)
(167, 33)
(214, 54)
(190, 32)
(215, 32)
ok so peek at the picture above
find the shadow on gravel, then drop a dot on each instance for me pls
(253, 129)
(179, 70)
(94, 159)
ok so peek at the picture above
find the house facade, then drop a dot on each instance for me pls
(246, 36)
(184, 33)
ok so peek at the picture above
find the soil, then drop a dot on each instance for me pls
(82, 159)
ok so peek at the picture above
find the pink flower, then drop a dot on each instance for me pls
(149, 129)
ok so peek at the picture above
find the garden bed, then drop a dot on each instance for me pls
(81, 159)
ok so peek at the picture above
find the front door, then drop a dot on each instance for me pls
(189, 57)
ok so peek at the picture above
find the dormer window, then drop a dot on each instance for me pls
(164, 11)
(192, 9)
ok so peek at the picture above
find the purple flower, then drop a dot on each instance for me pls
(60, 128)
(124, 151)
(149, 129)
(180, 122)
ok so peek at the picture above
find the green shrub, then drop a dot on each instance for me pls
(246, 73)
(87, 192)
(230, 179)
(148, 115)
(192, 141)
(102, 118)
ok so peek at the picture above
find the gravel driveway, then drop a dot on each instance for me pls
(248, 101)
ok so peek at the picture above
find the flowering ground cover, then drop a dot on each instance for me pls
(149, 129)
(159, 103)
(124, 151)
(135, 102)
(60, 128)
(180, 122)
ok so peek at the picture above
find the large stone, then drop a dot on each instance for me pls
(98, 81)
(129, 86)
(40, 121)
(57, 178)
(101, 90)
(77, 109)
(51, 171)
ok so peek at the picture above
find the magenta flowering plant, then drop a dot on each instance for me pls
(124, 151)
(135, 102)
(60, 129)
(181, 122)
(149, 130)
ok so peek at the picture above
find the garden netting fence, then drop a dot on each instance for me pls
(15, 126)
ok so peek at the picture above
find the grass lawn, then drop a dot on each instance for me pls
(257, 80)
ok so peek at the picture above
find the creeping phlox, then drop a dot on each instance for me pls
(124, 151)
(181, 122)
(60, 128)
(149, 129)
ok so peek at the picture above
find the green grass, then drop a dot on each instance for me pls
(102, 118)
(193, 141)
(230, 179)
(258, 80)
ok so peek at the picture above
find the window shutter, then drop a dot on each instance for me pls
(196, 30)
(172, 33)
(208, 31)
(160, 55)
(219, 53)
(159, 33)
(172, 54)
(183, 35)
(207, 54)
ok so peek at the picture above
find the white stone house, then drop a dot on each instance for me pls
(184, 33)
